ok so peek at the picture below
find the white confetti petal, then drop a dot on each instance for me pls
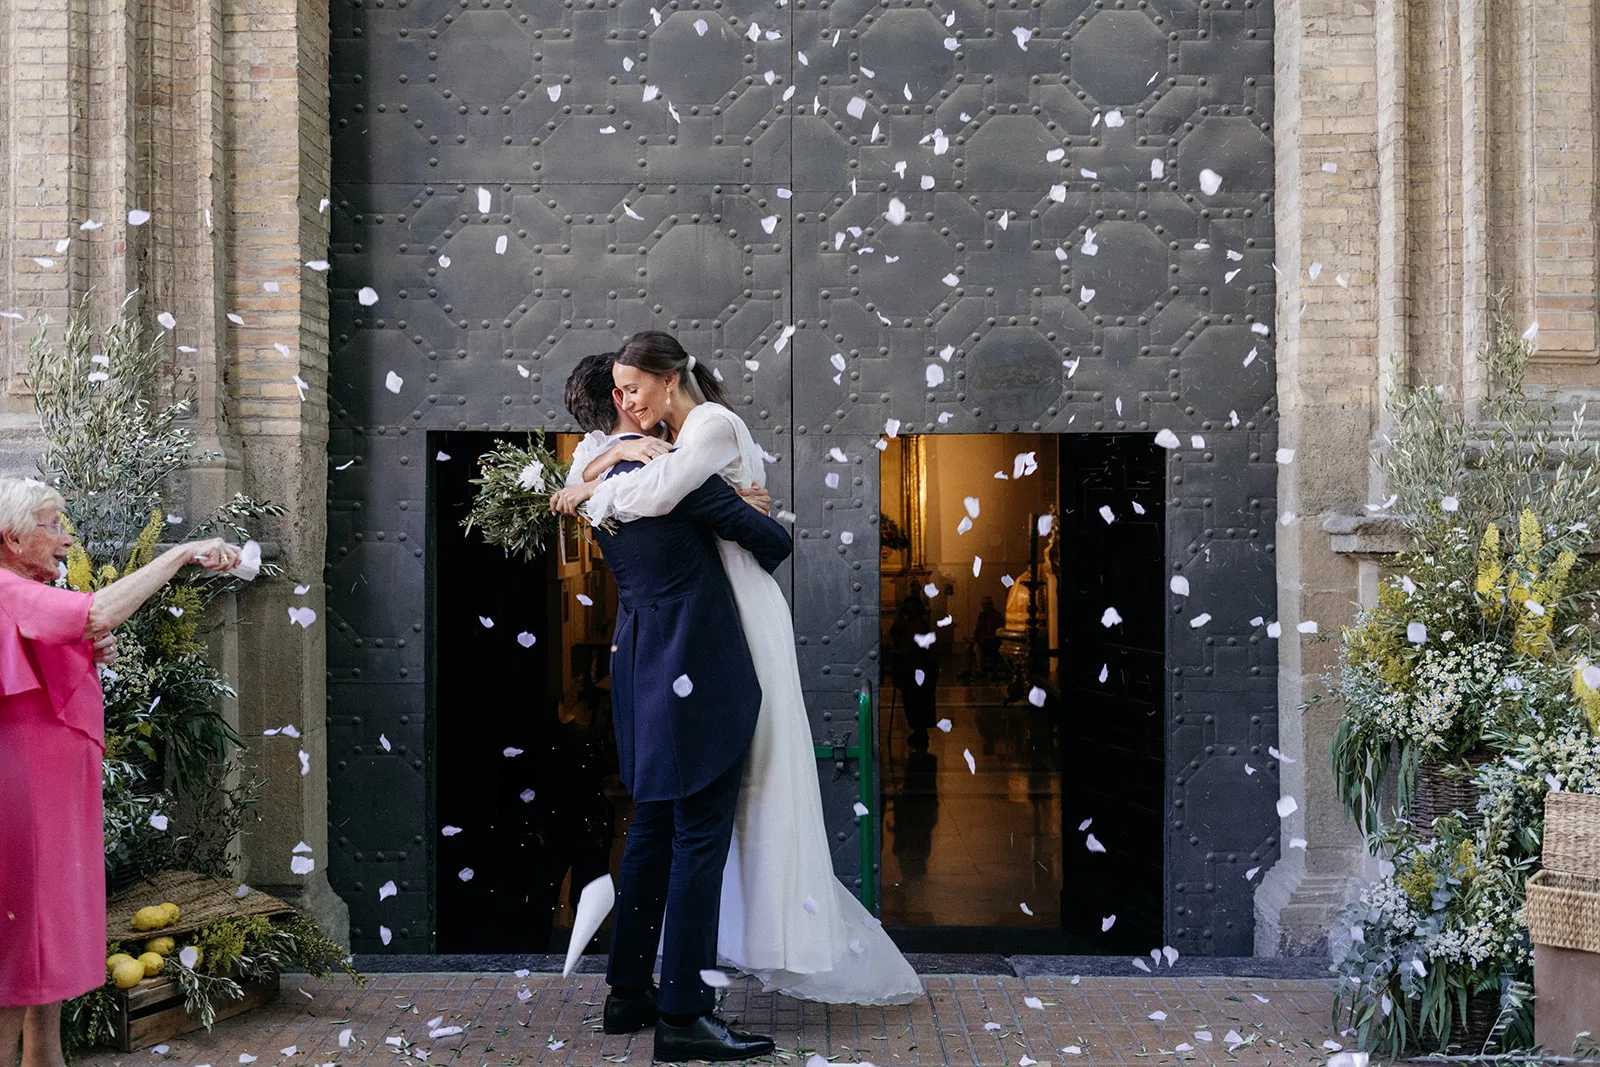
(1210, 182)
(1287, 806)
(393, 382)
(367, 296)
(972, 764)
(387, 890)
(682, 686)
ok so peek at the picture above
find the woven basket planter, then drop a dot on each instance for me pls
(1572, 833)
(1564, 910)
(1470, 1034)
(1438, 793)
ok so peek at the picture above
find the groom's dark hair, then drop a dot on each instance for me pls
(589, 393)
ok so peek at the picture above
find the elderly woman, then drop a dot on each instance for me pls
(52, 730)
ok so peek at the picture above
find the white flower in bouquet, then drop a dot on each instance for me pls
(532, 477)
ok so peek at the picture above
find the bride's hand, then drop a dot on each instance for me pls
(641, 449)
(568, 500)
(758, 498)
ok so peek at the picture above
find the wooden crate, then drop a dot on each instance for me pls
(153, 1011)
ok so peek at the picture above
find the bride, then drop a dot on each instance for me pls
(785, 918)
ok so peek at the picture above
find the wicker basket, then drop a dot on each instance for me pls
(1470, 1034)
(1572, 833)
(1564, 910)
(1438, 794)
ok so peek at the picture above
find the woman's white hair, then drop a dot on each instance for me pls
(20, 498)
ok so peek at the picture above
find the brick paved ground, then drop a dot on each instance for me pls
(545, 1019)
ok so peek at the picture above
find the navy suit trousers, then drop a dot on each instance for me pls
(672, 869)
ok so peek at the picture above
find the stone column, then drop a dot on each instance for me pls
(1327, 235)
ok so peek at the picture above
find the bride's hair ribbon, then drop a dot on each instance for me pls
(691, 363)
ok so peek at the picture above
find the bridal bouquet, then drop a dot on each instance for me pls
(512, 506)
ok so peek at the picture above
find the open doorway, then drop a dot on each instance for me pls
(999, 739)
(527, 800)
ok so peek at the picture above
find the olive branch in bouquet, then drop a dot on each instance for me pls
(512, 505)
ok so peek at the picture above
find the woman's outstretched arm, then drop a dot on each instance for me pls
(707, 444)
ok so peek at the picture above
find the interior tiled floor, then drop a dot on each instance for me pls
(972, 846)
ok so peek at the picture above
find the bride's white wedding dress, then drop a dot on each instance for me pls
(785, 918)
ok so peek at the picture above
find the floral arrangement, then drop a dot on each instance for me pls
(512, 506)
(1478, 661)
(890, 535)
(208, 968)
(1445, 655)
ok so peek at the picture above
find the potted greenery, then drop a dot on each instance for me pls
(1463, 703)
(176, 796)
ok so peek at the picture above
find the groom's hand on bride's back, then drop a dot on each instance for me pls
(717, 505)
(758, 498)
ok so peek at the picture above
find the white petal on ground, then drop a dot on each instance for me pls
(302, 865)
(1287, 806)
(1307, 627)
(714, 978)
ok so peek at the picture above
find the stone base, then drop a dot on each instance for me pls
(316, 898)
(1295, 911)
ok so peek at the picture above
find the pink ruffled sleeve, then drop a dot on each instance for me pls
(42, 647)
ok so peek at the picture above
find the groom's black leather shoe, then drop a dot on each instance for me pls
(629, 1015)
(707, 1038)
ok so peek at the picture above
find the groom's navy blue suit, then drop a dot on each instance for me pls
(681, 749)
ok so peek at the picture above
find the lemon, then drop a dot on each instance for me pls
(172, 912)
(149, 918)
(161, 945)
(128, 974)
(152, 962)
(112, 961)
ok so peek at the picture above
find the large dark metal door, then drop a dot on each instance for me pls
(968, 219)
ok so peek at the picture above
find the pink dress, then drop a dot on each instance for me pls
(52, 842)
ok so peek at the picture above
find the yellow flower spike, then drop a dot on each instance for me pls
(1588, 698)
(144, 548)
(80, 571)
(1490, 570)
(106, 575)
(1530, 537)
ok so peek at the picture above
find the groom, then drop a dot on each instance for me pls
(684, 699)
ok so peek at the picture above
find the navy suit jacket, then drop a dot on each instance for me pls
(677, 618)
